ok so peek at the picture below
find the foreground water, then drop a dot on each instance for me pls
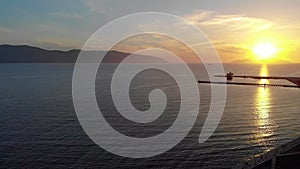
(39, 128)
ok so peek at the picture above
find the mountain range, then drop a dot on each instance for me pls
(30, 54)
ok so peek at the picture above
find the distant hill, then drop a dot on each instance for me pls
(30, 54)
(249, 61)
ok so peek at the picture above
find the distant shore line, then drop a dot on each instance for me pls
(31, 54)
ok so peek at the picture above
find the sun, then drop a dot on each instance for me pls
(264, 51)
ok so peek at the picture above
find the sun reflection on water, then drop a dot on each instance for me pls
(262, 101)
(262, 112)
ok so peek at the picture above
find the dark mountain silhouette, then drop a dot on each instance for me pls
(30, 54)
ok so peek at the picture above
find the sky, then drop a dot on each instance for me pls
(234, 27)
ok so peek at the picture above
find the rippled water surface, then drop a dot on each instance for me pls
(39, 128)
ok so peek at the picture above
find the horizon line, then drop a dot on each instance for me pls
(76, 49)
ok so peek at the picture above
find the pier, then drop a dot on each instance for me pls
(248, 84)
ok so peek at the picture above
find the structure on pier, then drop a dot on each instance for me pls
(230, 76)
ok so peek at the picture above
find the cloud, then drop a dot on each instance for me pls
(60, 30)
(230, 33)
(6, 30)
(103, 6)
(229, 22)
(66, 15)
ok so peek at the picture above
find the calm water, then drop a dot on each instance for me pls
(39, 128)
